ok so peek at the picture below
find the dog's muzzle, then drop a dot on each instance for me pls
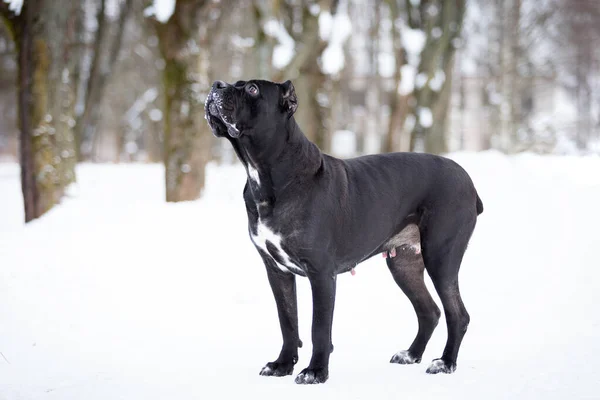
(212, 108)
(211, 115)
(219, 106)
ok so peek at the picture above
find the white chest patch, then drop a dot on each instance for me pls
(264, 234)
(253, 173)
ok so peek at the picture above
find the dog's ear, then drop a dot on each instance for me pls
(288, 102)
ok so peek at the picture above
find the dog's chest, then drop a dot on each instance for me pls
(272, 244)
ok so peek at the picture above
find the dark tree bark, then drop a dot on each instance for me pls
(46, 140)
(64, 106)
(509, 109)
(583, 94)
(583, 31)
(83, 133)
(264, 42)
(100, 70)
(186, 81)
(442, 22)
(397, 111)
(308, 79)
(435, 140)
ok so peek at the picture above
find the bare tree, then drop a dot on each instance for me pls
(304, 68)
(8, 93)
(69, 57)
(579, 28)
(184, 42)
(263, 12)
(46, 137)
(510, 92)
(441, 22)
(398, 103)
(104, 58)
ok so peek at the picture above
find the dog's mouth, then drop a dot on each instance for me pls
(212, 109)
(219, 116)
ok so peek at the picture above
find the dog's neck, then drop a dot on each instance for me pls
(269, 163)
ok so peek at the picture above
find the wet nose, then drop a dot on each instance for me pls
(219, 85)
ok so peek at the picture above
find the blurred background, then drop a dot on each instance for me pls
(116, 293)
(120, 81)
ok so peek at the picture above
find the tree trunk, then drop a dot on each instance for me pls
(435, 141)
(583, 95)
(395, 121)
(64, 105)
(264, 42)
(516, 83)
(100, 71)
(84, 132)
(510, 121)
(307, 76)
(309, 114)
(372, 95)
(442, 23)
(185, 78)
(494, 65)
(46, 137)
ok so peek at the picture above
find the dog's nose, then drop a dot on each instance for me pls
(220, 85)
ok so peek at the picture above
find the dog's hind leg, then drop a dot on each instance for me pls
(283, 285)
(407, 269)
(445, 240)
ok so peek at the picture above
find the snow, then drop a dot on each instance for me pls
(387, 64)
(15, 6)
(161, 9)
(112, 8)
(425, 117)
(242, 42)
(343, 144)
(140, 105)
(116, 294)
(336, 30)
(284, 50)
(155, 115)
(413, 41)
(468, 66)
(325, 25)
(420, 80)
(407, 79)
(131, 147)
(410, 122)
(314, 9)
(438, 80)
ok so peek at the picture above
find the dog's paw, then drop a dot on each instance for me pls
(440, 366)
(404, 357)
(311, 376)
(277, 369)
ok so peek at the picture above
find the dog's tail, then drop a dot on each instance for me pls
(479, 205)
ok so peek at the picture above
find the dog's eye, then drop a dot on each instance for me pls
(252, 90)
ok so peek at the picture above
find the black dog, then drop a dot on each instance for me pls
(314, 215)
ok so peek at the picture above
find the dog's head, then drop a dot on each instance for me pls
(249, 107)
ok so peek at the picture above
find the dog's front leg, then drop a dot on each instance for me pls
(323, 295)
(283, 285)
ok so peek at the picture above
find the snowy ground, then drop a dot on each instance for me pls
(117, 295)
